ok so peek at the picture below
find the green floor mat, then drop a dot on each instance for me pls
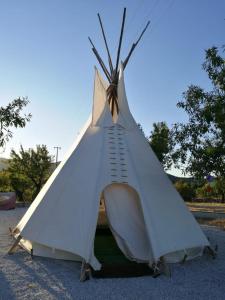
(114, 263)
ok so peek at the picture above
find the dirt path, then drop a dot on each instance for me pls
(24, 278)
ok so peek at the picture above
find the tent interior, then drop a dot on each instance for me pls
(121, 243)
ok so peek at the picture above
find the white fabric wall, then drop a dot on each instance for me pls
(171, 227)
(101, 115)
(125, 117)
(64, 214)
(125, 216)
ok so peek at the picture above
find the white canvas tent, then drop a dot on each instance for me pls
(148, 218)
(112, 159)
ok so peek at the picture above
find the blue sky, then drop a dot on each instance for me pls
(45, 55)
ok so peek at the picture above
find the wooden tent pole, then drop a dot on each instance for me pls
(102, 65)
(15, 244)
(120, 40)
(112, 107)
(100, 61)
(134, 45)
(106, 45)
(143, 31)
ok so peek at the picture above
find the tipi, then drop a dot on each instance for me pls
(111, 159)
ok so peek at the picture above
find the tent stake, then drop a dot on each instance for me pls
(85, 272)
(209, 250)
(164, 268)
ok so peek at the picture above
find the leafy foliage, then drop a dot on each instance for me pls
(10, 116)
(141, 129)
(220, 187)
(201, 141)
(5, 184)
(22, 186)
(186, 190)
(29, 170)
(212, 190)
(161, 143)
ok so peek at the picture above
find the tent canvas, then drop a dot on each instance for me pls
(116, 159)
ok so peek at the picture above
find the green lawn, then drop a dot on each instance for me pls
(114, 263)
(106, 249)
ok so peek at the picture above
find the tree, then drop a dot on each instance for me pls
(201, 141)
(220, 187)
(161, 143)
(29, 170)
(22, 186)
(185, 189)
(205, 192)
(141, 129)
(5, 184)
(11, 117)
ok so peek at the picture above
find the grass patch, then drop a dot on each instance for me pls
(106, 249)
(114, 263)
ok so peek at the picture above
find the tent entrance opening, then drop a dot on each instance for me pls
(121, 239)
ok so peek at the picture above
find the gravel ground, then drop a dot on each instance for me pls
(24, 278)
